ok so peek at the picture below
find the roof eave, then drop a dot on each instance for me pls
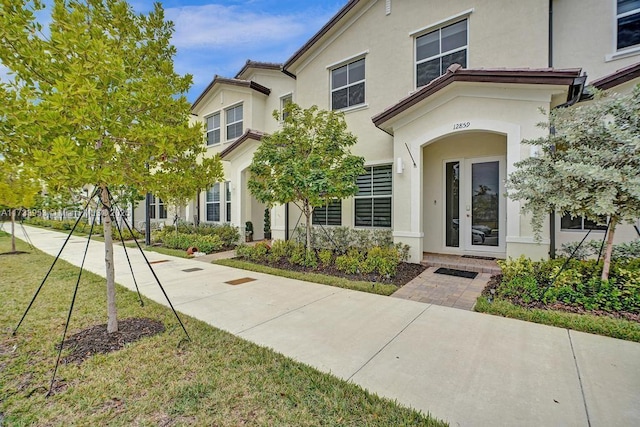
(621, 76)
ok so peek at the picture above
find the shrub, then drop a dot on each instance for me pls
(259, 253)
(326, 257)
(244, 251)
(591, 249)
(281, 249)
(578, 284)
(298, 254)
(382, 261)
(205, 244)
(350, 262)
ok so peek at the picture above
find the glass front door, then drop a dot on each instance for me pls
(484, 212)
(474, 204)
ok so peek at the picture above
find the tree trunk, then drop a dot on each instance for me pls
(13, 230)
(607, 253)
(112, 313)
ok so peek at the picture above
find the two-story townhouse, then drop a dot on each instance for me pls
(441, 95)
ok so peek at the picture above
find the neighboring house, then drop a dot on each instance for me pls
(440, 95)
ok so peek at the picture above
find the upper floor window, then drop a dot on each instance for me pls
(373, 201)
(213, 129)
(347, 85)
(580, 223)
(438, 49)
(330, 214)
(628, 23)
(284, 101)
(234, 122)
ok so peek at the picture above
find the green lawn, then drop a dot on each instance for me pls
(374, 288)
(599, 325)
(216, 379)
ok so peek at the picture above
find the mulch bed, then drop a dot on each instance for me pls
(96, 339)
(558, 306)
(406, 272)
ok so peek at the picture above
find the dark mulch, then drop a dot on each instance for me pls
(96, 339)
(406, 272)
(495, 281)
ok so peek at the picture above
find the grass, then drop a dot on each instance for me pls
(216, 379)
(371, 287)
(600, 325)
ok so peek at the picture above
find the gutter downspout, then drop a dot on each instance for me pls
(552, 215)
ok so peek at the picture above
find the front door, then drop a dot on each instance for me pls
(474, 204)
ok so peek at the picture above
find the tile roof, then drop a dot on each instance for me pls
(249, 134)
(455, 73)
(619, 77)
(233, 82)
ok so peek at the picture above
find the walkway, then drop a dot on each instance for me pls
(468, 368)
(448, 290)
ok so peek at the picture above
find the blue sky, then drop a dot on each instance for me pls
(217, 37)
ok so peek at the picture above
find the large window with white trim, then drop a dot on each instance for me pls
(347, 85)
(627, 23)
(373, 201)
(157, 209)
(439, 49)
(329, 214)
(213, 129)
(234, 122)
(213, 203)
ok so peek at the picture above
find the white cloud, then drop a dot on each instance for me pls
(217, 26)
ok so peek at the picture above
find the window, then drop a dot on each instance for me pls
(284, 101)
(152, 207)
(373, 201)
(213, 203)
(580, 223)
(347, 85)
(213, 129)
(330, 214)
(437, 50)
(628, 23)
(234, 122)
(227, 187)
(162, 210)
(157, 208)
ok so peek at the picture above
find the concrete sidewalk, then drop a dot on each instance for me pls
(468, 368)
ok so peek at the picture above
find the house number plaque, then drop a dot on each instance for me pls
(462, 125)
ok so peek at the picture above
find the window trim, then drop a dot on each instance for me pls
(219, 128)
(346, 63)
(373, 196)
(445, 23)
(283, 98)
(227, 124)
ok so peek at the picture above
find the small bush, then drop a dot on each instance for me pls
(244, 251)
(205, 244)
(298, 254)
(281, 249)
(326, 257)
(259, 253)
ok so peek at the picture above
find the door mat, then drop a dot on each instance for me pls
(240, 281)
(457, 273)
(488, 258)
(191, 270)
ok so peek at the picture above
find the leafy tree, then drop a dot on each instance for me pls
(589, 166)
(17, 190)
(307, 162)
(104, 105)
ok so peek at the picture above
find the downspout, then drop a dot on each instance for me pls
(552, 215)
(286, 221)
(196, 217)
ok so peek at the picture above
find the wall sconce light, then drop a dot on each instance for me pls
(399, 165)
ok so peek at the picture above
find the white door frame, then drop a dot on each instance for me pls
(466, 211)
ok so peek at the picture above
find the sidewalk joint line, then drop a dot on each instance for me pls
(575, 360)
(284, 314)
(389, 342)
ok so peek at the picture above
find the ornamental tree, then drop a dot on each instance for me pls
(307, 162)
(17, 191)
(105, 106)
(589, 165)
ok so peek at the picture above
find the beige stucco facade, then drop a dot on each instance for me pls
(469, 117)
